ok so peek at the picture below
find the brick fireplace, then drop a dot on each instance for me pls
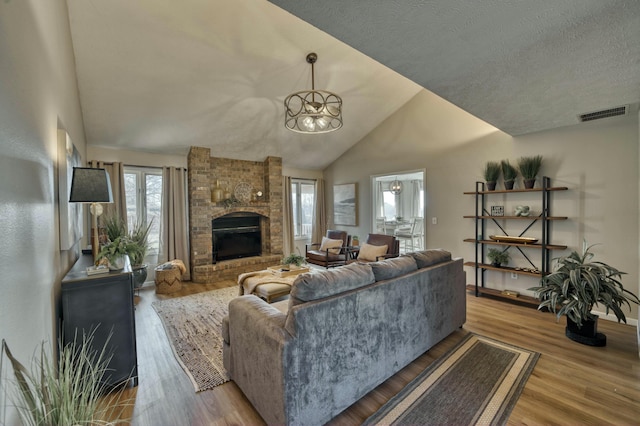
(265, 176)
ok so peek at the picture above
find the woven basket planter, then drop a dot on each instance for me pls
(168, 280)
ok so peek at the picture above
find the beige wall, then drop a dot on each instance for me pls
(598, 161)
(135, 158)
(38, 93)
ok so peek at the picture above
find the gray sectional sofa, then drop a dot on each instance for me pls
(346, 330)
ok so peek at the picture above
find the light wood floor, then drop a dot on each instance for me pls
(571, 383)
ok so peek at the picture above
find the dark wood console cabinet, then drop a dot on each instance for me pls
(103, 303)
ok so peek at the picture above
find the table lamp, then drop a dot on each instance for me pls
(91, 186)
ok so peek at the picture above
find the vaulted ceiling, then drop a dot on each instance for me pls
(160, 76)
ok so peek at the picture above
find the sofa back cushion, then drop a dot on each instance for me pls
(430, 257)
(320, 284)
(394, 267)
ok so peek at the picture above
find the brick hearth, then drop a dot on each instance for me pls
(204, 171)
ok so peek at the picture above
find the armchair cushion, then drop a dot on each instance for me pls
(370, 252)
(333, 246)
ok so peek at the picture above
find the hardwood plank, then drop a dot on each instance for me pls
(571, 383)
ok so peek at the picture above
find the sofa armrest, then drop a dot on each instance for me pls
(255, 352)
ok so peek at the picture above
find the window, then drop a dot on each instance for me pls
(302, 197)
(143, 189)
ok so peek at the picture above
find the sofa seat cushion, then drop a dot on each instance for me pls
(320, 284)
(394, 267)
(371, 253)
(430, 257)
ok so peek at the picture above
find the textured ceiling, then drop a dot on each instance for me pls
(522, 66)
(161, 76)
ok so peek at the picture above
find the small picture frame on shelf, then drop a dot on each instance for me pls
(497, 210)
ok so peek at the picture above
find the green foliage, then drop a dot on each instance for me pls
(114, 226)
(577, 284)
(118, 247)
(508, 171)
(64, 392)
(139, 237)
(491, 171)
(294, 259)
(530, 166)
(500, 257)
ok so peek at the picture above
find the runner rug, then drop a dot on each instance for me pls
(194, 327)
(477, 382)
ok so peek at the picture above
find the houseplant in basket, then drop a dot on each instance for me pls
(491, 174)
(509, 174)
(498, 257)
(529, 168)
(575, 286)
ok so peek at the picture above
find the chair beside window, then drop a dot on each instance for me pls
(331, 251)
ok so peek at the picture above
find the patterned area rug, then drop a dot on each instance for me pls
(193, 326)
(477, 382)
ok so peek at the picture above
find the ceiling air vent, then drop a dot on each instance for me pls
(611, 112)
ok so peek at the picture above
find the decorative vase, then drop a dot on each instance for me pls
(587, 334)
(491, 186)
(116, 263)
(139, 276)
(508, 184)
(528, 183)
(216, 193)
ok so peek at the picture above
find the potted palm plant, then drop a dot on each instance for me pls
(575, 286)
(509, 174)
(491, 174)
(529, 168)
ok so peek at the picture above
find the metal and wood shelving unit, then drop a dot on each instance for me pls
(482, 216)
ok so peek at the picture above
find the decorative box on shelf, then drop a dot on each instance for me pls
(287, 270)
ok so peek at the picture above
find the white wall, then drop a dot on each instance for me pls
(37, 93)
(597, 161)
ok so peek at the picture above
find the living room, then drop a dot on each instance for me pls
(597, 161)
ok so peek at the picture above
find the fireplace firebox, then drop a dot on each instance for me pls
(236, 235)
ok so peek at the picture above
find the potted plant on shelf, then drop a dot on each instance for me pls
(491, 174)
(498, 257)
(509, 173)
(575, 286)
(529, 168)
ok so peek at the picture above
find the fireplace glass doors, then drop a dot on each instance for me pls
(236, 235)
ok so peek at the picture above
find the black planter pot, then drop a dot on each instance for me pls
(508, 184)
(139, 276)
(491, 186)
(587, 334)
(528, 183)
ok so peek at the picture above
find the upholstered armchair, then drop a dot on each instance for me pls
(331, 251)
(377, 247)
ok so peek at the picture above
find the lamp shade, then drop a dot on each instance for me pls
(90, 186)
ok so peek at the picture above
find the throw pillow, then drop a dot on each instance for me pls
(370, 252)
(328, 243)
